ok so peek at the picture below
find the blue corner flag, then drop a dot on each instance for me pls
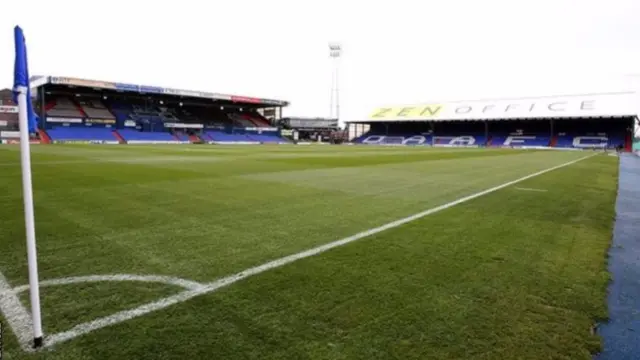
(21, 77)
(26, 115)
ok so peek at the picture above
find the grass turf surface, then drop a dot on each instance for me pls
(511, 275)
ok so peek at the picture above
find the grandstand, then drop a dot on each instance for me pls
(312, 128)
(8, 118)
(79, 110)
(8, 111)
(584, 121)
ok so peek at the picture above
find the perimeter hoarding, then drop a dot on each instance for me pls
(612, 104)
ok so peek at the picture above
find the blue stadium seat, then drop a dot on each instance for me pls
(222, 136)
(129, 134)
(81, 133)
(520, 140)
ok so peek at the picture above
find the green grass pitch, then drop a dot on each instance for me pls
(519, 273)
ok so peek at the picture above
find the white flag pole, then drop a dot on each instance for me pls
(27, 194)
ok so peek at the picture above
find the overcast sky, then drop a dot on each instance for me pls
(395, 52)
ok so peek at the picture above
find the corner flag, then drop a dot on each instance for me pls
(21, 77)
(22, 96)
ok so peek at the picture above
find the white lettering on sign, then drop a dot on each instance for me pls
(395, 140)
(463, 140)
(558, 106)
(464, 109)
(454, 140)
(415, 140)
(517, 140)
(374, 139)
(590, 141)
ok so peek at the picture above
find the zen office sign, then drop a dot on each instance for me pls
(549, 107)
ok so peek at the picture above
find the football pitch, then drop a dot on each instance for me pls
(216, 252)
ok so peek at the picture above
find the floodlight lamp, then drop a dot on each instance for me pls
(181, 103)
(334, 47)
(335, 50)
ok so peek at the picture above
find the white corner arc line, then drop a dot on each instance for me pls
(125, 315)
(168, 280)
(16, 314)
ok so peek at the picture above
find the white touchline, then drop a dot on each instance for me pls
(125, 315)
(16, 314)
(530, 189)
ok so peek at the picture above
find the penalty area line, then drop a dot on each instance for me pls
(125, 315)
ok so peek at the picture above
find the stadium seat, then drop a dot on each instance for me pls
(81, 133)
(395, 139)
(259, 120)
(49, 105)
(225, 137)
(130, 134)
(64, 107)
(589, 141)
(520, 140)
(168, 115)
(181, 136)
(564, 141)
(240, 121)
(255, 119)
(95, 109)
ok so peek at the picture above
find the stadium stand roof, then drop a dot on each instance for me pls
(40, 81)
(613, 104)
